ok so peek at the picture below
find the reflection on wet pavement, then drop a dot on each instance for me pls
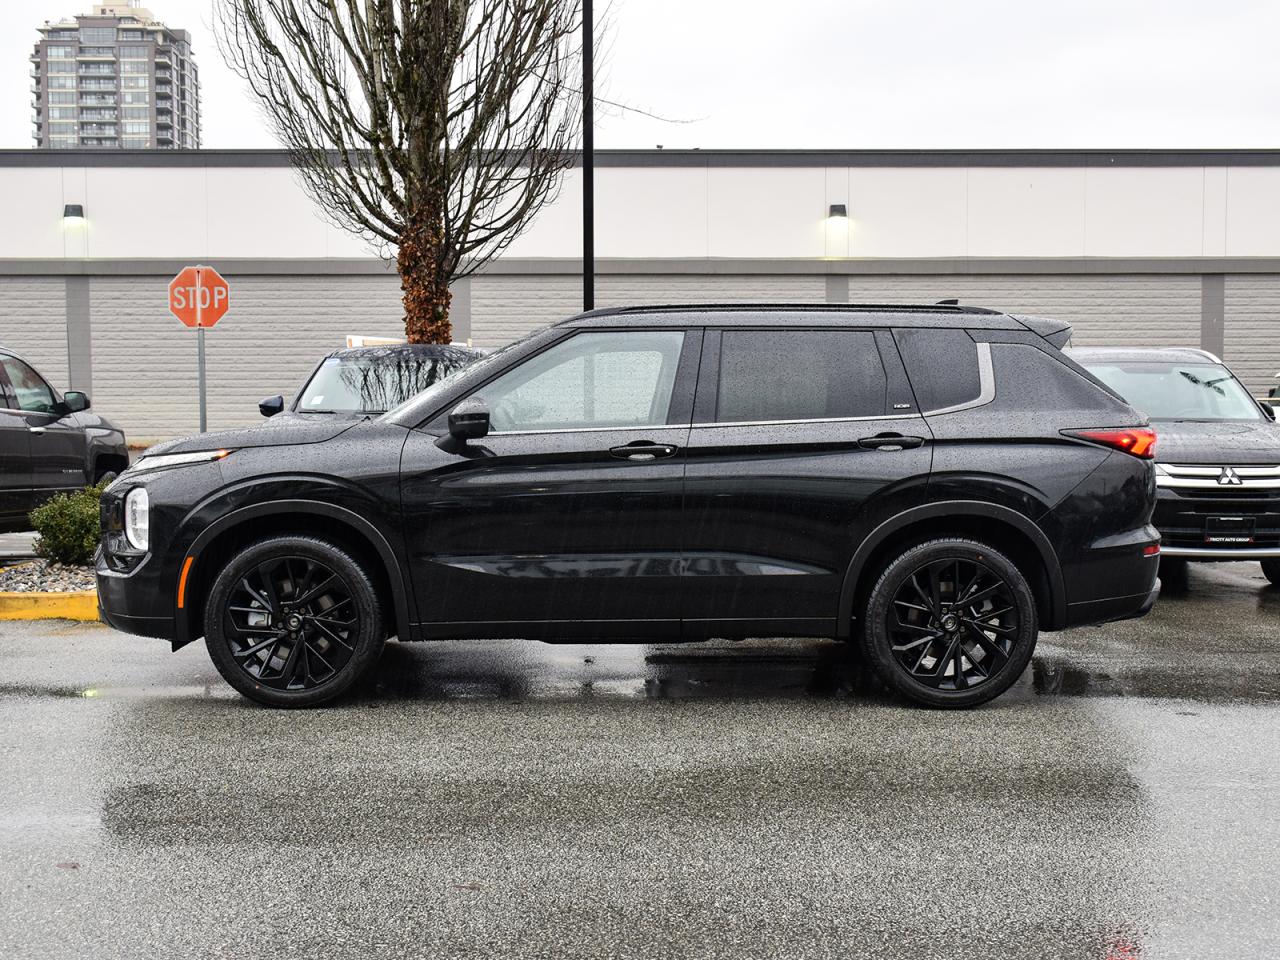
(762, 799)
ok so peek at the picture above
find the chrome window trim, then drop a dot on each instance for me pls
(614, 429)
(986, 385)
(770, 423)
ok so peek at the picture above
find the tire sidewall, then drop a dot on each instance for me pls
(369, 641)
(876, 642)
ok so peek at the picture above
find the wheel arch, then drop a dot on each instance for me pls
(344, 527)
(991, 523)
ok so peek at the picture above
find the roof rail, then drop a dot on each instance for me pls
(790, 307)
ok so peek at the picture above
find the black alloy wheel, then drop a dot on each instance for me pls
(953, 624)
(293, 621)
(950, 623)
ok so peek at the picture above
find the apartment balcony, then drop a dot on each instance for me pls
(99, 141)
(96, 57)
(166, 91)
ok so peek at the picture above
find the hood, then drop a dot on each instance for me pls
(1219, 442)
(276, 432)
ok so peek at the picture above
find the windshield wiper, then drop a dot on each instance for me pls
(1210, 385)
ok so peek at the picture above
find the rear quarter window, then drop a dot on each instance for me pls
(1028, 377)
(942, 366)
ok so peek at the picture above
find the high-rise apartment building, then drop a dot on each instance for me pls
(115, 77)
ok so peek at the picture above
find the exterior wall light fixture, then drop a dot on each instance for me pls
(73, 213)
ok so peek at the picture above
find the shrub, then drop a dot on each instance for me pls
(68, 526)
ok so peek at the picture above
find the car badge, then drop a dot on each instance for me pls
(1229, 478)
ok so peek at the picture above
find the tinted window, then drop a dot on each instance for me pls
(1028, 377)
(1179, 391)
(29, 389)
(942, 365)
(615, 379)
(799, 375)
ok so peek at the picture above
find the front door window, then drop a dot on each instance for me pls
(609, 379)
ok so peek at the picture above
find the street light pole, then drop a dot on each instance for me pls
(588, 163)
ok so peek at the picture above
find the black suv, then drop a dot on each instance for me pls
(1218, 472)
(936, 483)
(49, 442)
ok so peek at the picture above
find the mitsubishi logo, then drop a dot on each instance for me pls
(1229, 478)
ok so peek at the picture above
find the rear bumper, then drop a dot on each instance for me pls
(1113, 608)
(1222, 553)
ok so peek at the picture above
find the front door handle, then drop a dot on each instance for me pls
(890, 442)
(38, 431)
(643, 450)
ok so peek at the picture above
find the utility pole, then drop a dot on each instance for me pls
(588, 162)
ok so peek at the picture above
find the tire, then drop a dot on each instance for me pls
(104, 477)
(1271, 570)
(293, 621)
(933, 656)
(1174, 574)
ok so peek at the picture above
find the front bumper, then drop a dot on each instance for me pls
(132, 602)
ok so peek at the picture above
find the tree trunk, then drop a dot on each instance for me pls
(425, 284)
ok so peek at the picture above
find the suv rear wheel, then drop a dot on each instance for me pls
(950, 623)
(1271, 570)
(293, 622)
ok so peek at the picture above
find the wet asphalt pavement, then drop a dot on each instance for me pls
(759, 799)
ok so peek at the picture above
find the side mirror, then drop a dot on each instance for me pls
(469, 420)
(76, 400)
(271, 406)
(1269, 409)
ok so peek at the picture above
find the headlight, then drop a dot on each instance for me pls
(137, 518)
(176, 459)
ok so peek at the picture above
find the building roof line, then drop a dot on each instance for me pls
(110, 157)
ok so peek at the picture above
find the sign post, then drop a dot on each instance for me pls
(199, 297)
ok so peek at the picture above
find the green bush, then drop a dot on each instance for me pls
(68, 526)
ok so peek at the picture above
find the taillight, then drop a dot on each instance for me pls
(1138, 441)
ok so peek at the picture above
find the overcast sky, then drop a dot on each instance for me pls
(858, 73)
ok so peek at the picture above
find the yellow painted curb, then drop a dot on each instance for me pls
(79, 605)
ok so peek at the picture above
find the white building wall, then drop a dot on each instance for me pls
(685, 212)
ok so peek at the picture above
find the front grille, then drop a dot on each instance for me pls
(1191, 494)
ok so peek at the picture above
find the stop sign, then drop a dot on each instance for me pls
(199, 297)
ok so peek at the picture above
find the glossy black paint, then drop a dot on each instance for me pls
(46, 452)
(724, 529)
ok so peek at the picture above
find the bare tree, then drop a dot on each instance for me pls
(436, 127)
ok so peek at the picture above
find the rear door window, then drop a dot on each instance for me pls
(942, 365)
(768, 375)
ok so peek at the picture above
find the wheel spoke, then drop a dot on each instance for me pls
(333, 636)
(992, 648)
(911, 645)
(250, 651)
(314, 592)
(982, 594)
(264, 571)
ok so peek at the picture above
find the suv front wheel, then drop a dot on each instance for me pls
(1271, 570)
(293, 621)
(950, 623)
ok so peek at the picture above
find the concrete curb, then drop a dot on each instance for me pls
(72, 605)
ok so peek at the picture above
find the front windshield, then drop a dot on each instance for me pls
(1178, 391)
(375, 380)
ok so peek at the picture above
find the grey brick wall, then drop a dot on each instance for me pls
(1252, 339)
(33, 322)
(1105, 310)
(144, 361)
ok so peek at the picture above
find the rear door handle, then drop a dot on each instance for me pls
(643, 450)
(890, 442)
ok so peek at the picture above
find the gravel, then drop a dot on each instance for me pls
(45, 575)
